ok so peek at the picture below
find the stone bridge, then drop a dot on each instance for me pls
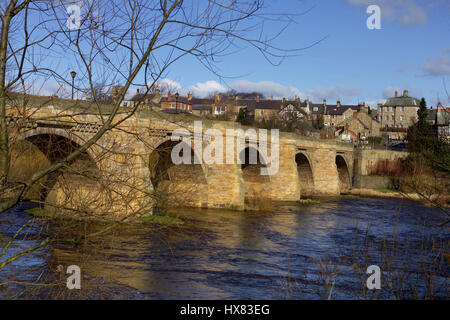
(130, 166)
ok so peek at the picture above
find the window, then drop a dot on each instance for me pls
(393, 118)
(261, 112)
(403, 109)
(401, 118)
(387, 118)
(316, 109)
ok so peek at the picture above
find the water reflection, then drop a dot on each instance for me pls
(219, 254)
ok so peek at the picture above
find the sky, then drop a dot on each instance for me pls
(352, 63)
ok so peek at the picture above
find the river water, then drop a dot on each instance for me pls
(295, 252)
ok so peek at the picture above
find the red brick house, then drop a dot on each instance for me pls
(180, 104)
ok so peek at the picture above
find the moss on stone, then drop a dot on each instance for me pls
(308, 201)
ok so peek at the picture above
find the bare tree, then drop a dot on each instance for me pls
(108, 42)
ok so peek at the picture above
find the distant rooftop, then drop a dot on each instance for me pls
(404, 100)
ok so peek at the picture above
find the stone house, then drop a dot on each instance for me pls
(439, 119)
(397, 114)
(201, 107)
(150, 101)
(361, 125)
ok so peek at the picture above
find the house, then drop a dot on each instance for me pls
(151, 101)
(439, 119)
(397, 114)
(176, 103)
(361, 125)
(200, 107)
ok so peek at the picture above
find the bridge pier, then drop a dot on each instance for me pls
(285, 185)
(326, 178)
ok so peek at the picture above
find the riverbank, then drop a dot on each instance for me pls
(443, 201)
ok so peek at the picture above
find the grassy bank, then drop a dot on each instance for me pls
(43, 214)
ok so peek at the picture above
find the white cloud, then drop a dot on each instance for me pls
(267, 88)
(439, 66)
(167, 84)
(205, 89)
(406, 12)
(278, 91)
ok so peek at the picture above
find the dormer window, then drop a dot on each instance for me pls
(315, 109)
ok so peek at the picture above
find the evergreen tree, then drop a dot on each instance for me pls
(422, 123)
(243, 117)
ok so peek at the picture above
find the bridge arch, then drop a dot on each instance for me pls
(343, 173)
(46, 146)
(177, 184)
(305, 174)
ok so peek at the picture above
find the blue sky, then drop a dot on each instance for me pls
(354, 64)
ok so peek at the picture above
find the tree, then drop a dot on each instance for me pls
(243, 117)
(422, 123)
(318, 123)
(111, 42)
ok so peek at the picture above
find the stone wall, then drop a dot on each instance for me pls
(366, 159)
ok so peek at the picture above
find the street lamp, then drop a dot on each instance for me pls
(73, 74)
(176, 102)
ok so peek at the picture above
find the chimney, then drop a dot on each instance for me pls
(237, 97)
(284, 100)
(189, 96)
(324, 102)
(137, 91)
(158, 91)
(271, 97)
(307, 103)
(217, 98)
(439, 107)
(298, 100)
(169, 95)
(405, 93)
(257, 99)
(338, 103)
(396, 93)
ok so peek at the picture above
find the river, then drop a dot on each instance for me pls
(297, 251)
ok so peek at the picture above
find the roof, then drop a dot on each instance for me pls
(140, 96)
(443, 117)
(172, 98)
(253, 104)
(402, 101)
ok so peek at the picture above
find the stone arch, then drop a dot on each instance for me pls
(257, 186)
(92, 152)
(305, 174)
(343, 173)
(177, 185)
(47, 146)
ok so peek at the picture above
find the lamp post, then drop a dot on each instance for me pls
(176, 102)
(73, 74)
